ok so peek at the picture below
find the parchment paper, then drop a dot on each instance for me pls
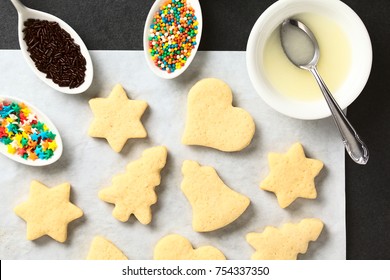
(88, 164)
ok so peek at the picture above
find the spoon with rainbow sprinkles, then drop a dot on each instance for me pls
(172, 34)
(53, 50)
(26, 134)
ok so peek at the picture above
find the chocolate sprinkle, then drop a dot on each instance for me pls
(54, 52)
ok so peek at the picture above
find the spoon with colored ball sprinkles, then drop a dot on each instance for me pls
(172, 34)
(54, 51)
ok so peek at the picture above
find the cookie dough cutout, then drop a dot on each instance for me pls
(48, 211)
(133, 192)
(292, 175)
(214, 204)
(213, 122)
(176, 247)
(103, 249)
(284, 243)
(117, 118)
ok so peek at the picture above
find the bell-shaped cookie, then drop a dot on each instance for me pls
(214, 204)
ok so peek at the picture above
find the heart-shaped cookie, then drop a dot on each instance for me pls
(213, 122)
(176, 247)
(103, 249)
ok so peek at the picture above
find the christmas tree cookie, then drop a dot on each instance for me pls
(284, 243)
(133, 191)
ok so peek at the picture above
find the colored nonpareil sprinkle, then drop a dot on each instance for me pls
(172, 35)
(24, 134)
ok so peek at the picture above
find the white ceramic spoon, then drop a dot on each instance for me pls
(25, 13)
(156, 70)
(44, 119)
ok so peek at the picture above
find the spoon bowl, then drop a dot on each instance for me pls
(41, 118)
(299, 44)
(24, 14)
(153, 10)
(301, 47)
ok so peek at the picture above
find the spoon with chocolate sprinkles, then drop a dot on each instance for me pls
(55, 52)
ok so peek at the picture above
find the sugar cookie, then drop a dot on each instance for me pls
(284, 243)
(291, 175)
(48, 211)
(133, 191)
(213, 122)
(117, 118)
(103, 249)
(176, 247)
(214, 204)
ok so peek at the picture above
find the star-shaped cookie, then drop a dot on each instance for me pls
(117, 118)
(291, 175)
(48, 211)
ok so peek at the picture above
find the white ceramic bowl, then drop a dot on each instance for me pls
(361, 57)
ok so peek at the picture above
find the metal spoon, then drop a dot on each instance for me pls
(25, 13)
(301, 48)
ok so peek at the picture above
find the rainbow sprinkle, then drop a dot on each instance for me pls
(24, 134)
(172, 35)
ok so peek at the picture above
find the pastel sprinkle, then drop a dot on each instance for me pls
(23, 134)
(172, 35)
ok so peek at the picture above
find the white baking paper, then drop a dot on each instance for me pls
(88, 164)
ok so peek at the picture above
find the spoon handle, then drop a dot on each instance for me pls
(18, 6)
(355, 147)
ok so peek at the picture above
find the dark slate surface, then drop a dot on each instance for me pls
(118, 25)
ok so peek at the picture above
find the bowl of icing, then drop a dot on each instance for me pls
(345, 58)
